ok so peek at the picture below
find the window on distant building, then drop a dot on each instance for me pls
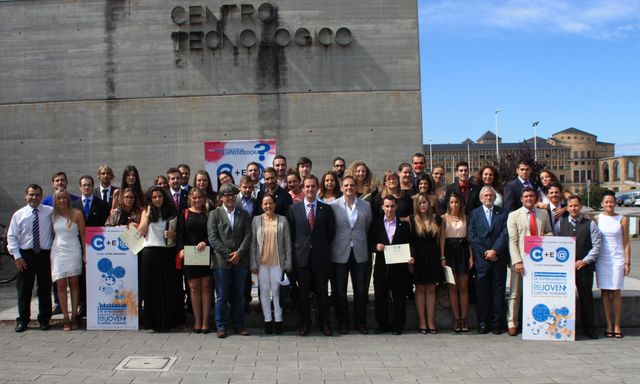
(605, 172)
(616, 171)
(631, 171)
(576, 176)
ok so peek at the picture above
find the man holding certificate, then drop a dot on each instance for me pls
(390, 238)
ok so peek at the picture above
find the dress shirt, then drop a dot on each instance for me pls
(390, 228)
(314, 206)
(551, 217)
(526, 183)
(283, 183)
(173, 193)
(488, 213)
(529, 213)
(20, 232)
(84, 198)
(230, 215)
(247, 204)
(48, 200)
(352, 213)
(595, 238)
(108, 189)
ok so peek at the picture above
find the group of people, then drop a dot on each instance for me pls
(287, 226)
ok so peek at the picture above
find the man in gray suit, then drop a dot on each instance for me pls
(349, 254)
(229, 231)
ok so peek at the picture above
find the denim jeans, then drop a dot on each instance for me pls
(228, 281)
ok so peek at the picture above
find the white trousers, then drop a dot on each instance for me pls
(269, 282)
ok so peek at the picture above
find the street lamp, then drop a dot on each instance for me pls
(469, 157)
(535, 141)
(430, 156)
(497, 147)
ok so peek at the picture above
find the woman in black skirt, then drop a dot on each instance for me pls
(161, 281)
(455, 253)
(425, 235)
(192, 231)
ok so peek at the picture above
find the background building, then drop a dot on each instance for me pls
(146, 82)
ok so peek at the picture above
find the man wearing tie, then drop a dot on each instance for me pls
(513, 189)
(487, 234)
(96, 212)
(525, 221)
(29, 239)
(179, 196)
(463, 187)
(312, 230)
(105, 190)
(556, 209)
(350, 255)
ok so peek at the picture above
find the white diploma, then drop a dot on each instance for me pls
(448, 274)
(194, 257)
(133, 239)
(397, 253)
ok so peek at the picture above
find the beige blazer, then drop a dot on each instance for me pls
(518, 228)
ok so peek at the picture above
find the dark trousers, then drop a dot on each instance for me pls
(313, 278)
(584, 285)
(38, 267)
(491, 279)
(392, 284)
(358, 273)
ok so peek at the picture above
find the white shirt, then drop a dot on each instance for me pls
(314, 206)
(352, 213)
(230, 215)
(20, 232)
(108, 189)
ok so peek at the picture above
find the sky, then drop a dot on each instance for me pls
(562, 63)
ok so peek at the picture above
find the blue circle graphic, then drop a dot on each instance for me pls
(564, 311)
(540, 312)
(562, 254)
(119, 272)
(536, 254)
(104, 265)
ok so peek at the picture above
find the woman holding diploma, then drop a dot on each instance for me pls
(192, 232)
(455, 253)
(425, 229)
(161, 282)
(270, 256)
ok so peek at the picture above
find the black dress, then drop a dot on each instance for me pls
(426, 253)
(192, 231)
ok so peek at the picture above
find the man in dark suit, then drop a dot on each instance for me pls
(389, 279)
(179, 196)
(95, 213)
(229, 230)
(350, 254)
(513, 189)
(185, 174)
(556, 209)
(487, 234)
(104, 191)
(270, 186)
(463, 187)
(312, 230)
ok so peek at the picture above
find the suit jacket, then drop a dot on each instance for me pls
(474, 196)
(98, 212)
(550, 213)
(307, 241)
(379, 235)
(484, 237)
(284, 242)
(518, 228)
(283, 201)
(512, 192)
(225, 239)
(96, 193)
(341, 246)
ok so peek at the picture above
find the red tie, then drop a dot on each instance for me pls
(176, 196)
(533, 226)
(311, 217)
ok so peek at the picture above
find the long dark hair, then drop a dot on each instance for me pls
(137, 186)
(166, 211)
(208, 192)
(336, 190)
(497, 184)
(233, 181)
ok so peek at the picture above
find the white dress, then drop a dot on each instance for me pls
(66, 251)
(610, 262)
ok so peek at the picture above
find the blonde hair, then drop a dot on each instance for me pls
(423, 229)
(71, 218)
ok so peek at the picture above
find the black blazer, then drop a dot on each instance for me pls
(283, 201)
(474, 196)
(512, 192)
(96, 193)
(98, 212)
(378, 234)
(184, 199)
(308, 242)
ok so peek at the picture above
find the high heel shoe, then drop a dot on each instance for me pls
(66, 325)
(464, 326)
(457, 325)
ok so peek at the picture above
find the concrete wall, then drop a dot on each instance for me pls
(92, 81)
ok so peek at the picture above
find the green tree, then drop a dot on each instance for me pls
(594, 197)
(509, 162)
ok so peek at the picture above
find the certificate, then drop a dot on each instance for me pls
(397, 253)
(133, 239)
(194, 257)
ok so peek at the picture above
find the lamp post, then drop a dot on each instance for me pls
(497, 140)
(469, 157)
(535, 141)
(430, 156)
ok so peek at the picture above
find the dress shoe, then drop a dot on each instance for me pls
(268, 327)
(512, 331)
(21, 327)
(396, 333)
(303, 331)
(343, 329)
(242, 331)
(221, 333)
(497, 331)
(362, 329)
(44, 326)
(326, 330)
(483, 329)
(278, 327)
(380, 330)
(591, 333)
(205, 331)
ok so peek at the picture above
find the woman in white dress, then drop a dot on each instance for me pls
(67, 254)
(613, 263)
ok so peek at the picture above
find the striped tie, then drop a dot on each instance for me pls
(311, 216)
(36, 232)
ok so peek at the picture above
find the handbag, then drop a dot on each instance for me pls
(285, 292)
(179, 261)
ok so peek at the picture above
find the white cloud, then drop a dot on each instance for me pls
(628, 149)
(605, 19)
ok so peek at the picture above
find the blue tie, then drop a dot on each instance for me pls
(85, 207)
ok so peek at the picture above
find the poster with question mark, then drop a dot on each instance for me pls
(234, 155)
